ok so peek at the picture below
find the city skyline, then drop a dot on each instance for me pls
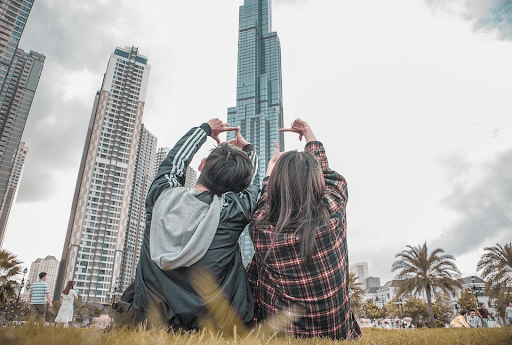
(409, 99)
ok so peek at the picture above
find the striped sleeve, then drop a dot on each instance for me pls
(172, 171)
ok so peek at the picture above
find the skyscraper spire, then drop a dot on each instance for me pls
(259, 98)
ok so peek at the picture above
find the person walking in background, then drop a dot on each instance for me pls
(484, 313)
(460, 321)
(39, 294)
(300, 241)
(65, 314)
(508, 313)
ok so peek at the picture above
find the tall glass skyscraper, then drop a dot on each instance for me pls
(102, 205)
(19, 77)
(259, 98)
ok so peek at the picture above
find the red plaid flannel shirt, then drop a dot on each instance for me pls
(321, 286)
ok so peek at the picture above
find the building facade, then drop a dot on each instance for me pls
(190, 175)
(16, 96)
(259, 98)
(360, 270)
(372, 282)
(12, 188)
(19, 77)
(144, 176)
(50, 265)
(95, 239)
(12, 23)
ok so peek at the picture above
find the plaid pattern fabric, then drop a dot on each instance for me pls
(320, 287)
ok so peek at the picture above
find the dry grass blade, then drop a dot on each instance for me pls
(221, 316)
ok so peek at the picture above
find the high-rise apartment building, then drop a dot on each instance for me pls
(14, 15)
(12, 188)
(190, 175)
(50, 265)
(142, 179)
(259, 98)
(95, 239)
(360, 270)
(16, 99)
(19, 77)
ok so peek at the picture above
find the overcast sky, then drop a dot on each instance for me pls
(410, 98)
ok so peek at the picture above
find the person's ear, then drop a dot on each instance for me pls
(201, 165)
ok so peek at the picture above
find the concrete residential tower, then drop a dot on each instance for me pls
(142, 179)
(259, 98)
(19, 77)
(95, 240)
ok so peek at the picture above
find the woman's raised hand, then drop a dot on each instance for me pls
(302, 128)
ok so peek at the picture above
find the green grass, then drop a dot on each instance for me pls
(40, 335)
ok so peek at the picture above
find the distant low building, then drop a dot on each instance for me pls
(372, 282)
(387, 292)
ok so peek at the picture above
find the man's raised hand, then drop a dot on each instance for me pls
(302, 128)
(239, 141)
(217, 127)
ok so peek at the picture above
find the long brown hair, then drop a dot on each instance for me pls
(68, 287)
(294, 204)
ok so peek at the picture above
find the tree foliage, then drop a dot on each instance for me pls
(9, 270)
(496, 266)
(420, 271)
(356, 294)
(467, 301)
(372, 311)
(417, 310)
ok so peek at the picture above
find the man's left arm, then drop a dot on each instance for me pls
(173, 169)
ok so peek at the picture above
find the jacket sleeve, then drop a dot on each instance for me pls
(172, 171)
(336, 192)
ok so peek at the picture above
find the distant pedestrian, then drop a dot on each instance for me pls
(484, 313)
(508, 313)
(474, 320)
(65, 314)
(460, 321)
(39, 293)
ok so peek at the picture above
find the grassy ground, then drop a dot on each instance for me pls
(40, 335)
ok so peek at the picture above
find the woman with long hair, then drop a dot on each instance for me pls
(299, 235)
(65, 314)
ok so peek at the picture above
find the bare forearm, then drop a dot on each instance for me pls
(309, 135)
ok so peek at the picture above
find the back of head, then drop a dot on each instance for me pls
(227, 169)
(295, 190)
(463, 312)
(69, 286)
(42, 275)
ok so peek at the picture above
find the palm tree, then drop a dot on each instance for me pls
(9, 269)
(497, 269)
(423, 272)
(356, 293)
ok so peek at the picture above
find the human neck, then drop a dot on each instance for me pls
(201, 188)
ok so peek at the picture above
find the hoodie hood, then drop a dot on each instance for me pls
(182, 227)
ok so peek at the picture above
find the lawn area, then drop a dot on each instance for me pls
(40, 335)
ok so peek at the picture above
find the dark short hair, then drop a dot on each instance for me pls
(463, 312)
(42, 275)
(472, 310)
(227, 169)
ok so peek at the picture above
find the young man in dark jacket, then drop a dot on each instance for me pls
(193, 228)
